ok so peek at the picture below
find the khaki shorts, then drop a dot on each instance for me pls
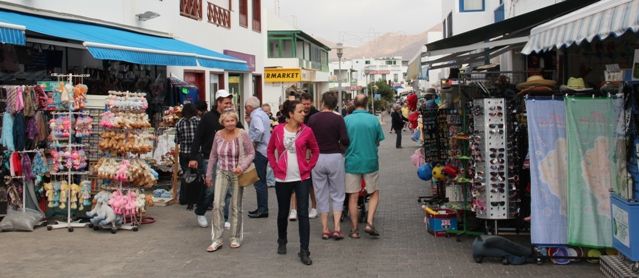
(353, 182)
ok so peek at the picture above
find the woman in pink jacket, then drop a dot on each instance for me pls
(287, 154)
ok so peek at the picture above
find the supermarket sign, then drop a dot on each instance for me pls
(279, 75)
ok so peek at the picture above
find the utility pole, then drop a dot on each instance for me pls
(340, 52)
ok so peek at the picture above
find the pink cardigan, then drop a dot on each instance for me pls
(305, 141)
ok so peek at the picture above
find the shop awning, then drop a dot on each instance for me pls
(599, 20)
(12, 34)
(109, 43)
(499, 35)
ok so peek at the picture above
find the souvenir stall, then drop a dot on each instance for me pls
(121, 202)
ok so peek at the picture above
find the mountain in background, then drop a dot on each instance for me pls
(386, 45)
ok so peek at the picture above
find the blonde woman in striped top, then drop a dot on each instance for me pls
(225, 153)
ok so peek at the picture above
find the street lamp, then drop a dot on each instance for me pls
(340, 52)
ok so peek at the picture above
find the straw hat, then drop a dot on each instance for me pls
(575, 84)
(536, 80)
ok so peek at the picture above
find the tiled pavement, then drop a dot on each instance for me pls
(175, 246)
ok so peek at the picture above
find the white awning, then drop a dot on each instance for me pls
(599, 20)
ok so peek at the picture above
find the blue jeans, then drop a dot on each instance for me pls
(260, 186)
(206, 198)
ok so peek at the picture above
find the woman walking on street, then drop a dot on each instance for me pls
(328, 174)
(287, 155)
(397, 124)
(232, 152)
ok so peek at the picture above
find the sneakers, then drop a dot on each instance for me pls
(292, 216)
(227, 225)
(201, 220)
(312, 213)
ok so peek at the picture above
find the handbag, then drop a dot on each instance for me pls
(249, 176)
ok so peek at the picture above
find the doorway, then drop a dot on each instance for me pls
(257, 87)
(197, 78)
(236, 89)
(216, 82)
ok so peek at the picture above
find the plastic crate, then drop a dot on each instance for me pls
(438, 224)
(625, 227)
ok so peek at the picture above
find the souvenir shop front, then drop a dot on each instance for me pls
(61, 160)
(555, 158)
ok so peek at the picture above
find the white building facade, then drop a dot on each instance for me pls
(232, 27)
(367, 70)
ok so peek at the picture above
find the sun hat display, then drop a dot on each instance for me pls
(536, 80)
(575, 84)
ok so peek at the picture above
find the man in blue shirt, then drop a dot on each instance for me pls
(362, 162)
(260, 134)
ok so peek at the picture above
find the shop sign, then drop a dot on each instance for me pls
(378, 72)
(620, 225)
(278, 75)
(248, 58)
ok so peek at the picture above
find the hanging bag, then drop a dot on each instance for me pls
(249, 176)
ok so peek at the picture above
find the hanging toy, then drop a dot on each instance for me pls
(56, 194)
(75, 190)
(85, 194)
(48, 187)
(64, 187)
(122, 173)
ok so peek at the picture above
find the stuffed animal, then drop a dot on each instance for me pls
(102, 214)
(48, 187)
(64, 190)
(85, 194)
(75, 190)
(56, 194)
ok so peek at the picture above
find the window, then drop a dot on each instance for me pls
(244, 13)
(367, 62)
(395, 77)
(257, 16)
(191, 9)
(472, 5)
(280, 48)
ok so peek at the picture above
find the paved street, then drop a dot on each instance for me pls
(175, 246)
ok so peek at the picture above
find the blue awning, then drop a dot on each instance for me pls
(12, 34)
(108, 43)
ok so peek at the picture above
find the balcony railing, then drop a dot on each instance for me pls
(219, 16)
(191, 9)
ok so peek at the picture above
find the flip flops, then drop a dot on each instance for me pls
(326, 235)
(337, 235)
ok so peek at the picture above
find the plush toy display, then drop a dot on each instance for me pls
(102, 214)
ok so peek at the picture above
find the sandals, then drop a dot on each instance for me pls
(235, 244)
(337, 235)
(370, 229)
(326, 235)
(354, 234)
(214, 247)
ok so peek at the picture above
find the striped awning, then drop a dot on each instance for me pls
(12, 34)
(599, 20)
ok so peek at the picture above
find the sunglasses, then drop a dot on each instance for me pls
(498, 114)
(497, 149)
(496, 131)
(495, 108)
(493, 155)
(497, 179)
(497, 161)
(496, 125)
(498, 190)
(502, 203)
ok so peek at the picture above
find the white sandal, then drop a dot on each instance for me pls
(235, 244)
(214, 247)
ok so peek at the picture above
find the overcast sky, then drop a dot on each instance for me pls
(357, 21)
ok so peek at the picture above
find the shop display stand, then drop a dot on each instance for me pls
(432, 154)
(69, 224)
(464, 141)
(491, 170)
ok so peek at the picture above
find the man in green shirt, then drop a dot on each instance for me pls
(362, 162)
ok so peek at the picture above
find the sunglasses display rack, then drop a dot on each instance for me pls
(490, 159)
(432, 140)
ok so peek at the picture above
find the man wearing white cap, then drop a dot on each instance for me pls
(209, 125)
